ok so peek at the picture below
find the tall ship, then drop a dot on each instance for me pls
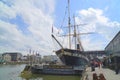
(72, 56)
(74, 59)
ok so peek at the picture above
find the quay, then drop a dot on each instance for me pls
(108, 74)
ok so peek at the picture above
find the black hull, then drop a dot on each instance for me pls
(73, 61)
(72, 58)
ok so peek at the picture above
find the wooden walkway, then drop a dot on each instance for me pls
(108, 74)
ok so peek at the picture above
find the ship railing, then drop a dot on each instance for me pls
(83, 56)
(84, 74)
(38, 66)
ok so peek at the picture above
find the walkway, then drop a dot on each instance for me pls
(108, 74)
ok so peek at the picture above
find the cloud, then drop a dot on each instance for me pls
(10, 36)
(104, 28)
(6, 11)
(38, 15)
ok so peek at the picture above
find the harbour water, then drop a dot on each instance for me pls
(12, 72)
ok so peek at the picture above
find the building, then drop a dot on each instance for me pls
(95, 54)
(1, 59)
(13, 56)
(113, 51)
(0, 56)
(114, 46)
(33, 58)
(7, 57)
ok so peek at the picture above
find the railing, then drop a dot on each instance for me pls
(84, 74)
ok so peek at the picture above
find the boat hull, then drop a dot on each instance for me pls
(59, 70)
(73, 61)
(72, 57)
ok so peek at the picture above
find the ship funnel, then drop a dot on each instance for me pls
(78, 47)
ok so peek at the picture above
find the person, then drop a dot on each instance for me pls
(99, 64)
(116, 65)
(92, 66)
(116, 69)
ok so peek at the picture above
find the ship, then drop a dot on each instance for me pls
(74, 60)
(72, 57)
(69, 56)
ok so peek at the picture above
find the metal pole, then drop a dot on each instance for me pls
(57, 41)
(69, 23)
(75, 32)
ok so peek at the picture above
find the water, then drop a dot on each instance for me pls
(12, 72)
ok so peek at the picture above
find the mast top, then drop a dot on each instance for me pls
(69, 23)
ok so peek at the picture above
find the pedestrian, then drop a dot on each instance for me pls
(92, 66)
(99, 64)
(116, 69)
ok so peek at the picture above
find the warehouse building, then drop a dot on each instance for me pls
(113, 51)
(12, 56)
(114, 46)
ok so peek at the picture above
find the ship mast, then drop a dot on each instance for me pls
(75, 32)
(76, 37)
(69, 23)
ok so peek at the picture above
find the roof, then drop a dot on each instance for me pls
(12, 53)
(113, 39)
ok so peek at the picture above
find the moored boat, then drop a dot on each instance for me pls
(55, 70)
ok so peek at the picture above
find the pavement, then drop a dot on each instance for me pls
(108, 74)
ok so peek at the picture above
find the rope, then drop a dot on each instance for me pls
(62, 26)
(63, 20)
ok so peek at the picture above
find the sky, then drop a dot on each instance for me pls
(26, 25)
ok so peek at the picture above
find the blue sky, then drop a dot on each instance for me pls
(104, 33)
(27, 25)
(109, 7)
